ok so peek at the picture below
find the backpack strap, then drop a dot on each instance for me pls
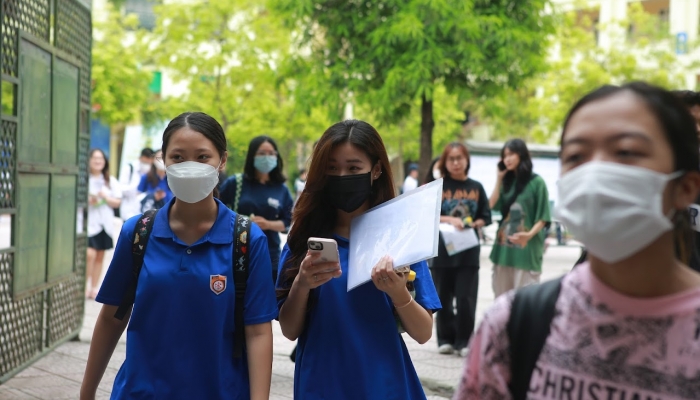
(239, 189)
(528, 327)
(142, 232)
(241, 268)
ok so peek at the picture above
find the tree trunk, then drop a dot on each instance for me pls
(426, 137)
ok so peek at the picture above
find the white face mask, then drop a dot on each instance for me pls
(160, 165)
(192, 181)
(144, 168)
(615, 210)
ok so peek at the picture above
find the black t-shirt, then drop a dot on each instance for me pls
(695, 226)
(462, 199)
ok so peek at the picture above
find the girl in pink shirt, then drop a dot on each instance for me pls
(627, 322)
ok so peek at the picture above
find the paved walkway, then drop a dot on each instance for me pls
(59, 374)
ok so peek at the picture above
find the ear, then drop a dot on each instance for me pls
(224, 158)
(376, 171)
(687, 190)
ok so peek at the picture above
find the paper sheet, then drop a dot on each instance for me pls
(458, 241)
(405, 228)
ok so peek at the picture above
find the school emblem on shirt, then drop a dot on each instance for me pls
(217, 283)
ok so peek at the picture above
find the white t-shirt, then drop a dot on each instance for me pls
(129, 181)
(409, 184)
(101, 215)
(299, 187)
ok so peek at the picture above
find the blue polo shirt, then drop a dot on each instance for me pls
(146, 187)
(271, 201)
(180, 337)
(351, 348)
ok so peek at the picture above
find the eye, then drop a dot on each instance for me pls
(204, 157)
(572, 158)
(626, 153)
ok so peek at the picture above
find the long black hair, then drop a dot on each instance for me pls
(276, 175)
(105, 169)
(152, 175)
(429, 176)
(520, 177)
(678, 126)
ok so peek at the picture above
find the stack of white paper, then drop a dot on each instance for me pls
(405, 228)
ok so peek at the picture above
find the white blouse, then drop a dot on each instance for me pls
(101, 215)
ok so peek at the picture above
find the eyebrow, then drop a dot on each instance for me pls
(353, 161)
(614, 138)
(200, 150)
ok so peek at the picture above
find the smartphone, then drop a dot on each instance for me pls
(501, 166)
(327, 247)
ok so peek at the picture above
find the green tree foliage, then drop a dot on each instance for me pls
(402, 139)
(390, 54)
(229, 54)
(642, 49)
(120, 84)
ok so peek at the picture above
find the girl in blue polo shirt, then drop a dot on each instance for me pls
(349, 346)
(180, 337)
(261, 193)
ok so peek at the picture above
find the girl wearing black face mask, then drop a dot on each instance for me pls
(349, 174)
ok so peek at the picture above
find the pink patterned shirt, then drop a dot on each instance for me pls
(602, 346)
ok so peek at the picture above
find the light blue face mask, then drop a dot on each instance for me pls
(265, 164)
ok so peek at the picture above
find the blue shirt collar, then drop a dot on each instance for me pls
(220, 233)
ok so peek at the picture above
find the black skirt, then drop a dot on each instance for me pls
(101, 241)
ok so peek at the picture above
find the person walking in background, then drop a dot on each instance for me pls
(411, 181)
(456, 276)
(104, 196)
(299, 184)
(130, 180)
(261, 193)
(433, 172)
(180, 341)
(624, 324)
(691, 100)
(522, 198)
(349, 346)
(155, 185)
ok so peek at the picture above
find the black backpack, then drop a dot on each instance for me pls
(241, 263)
(528, 326)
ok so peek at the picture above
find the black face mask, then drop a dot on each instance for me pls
(348, 192)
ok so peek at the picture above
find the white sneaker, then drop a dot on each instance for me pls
(446, 349)
(463, 352)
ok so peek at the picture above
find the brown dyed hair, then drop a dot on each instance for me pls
(443, 157)
(313, 214)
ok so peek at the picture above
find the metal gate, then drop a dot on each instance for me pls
(44, 137)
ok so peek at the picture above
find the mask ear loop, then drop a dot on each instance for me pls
(673, 212)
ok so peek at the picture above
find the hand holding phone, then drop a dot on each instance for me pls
(327, 247)
(501, 166)
(321, 264)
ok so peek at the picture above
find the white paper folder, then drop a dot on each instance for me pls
(405, 228)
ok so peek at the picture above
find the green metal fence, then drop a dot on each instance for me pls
(44, 138)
